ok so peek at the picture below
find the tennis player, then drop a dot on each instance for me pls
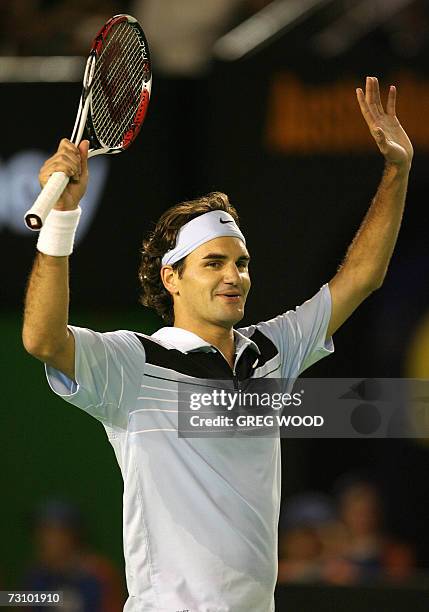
(200, 515)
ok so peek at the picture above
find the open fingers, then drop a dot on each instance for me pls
(365, 109)
(369, 91)
(372, 94)
(391, 101)
(376, 88)
(373, 100)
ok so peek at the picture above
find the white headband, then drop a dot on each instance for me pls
(196, 232)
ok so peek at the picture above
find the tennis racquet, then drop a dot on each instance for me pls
(113, 104)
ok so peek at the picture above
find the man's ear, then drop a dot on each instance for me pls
(169, 279)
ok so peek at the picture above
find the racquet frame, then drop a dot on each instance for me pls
(58, 181)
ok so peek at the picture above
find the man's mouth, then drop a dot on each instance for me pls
(230, 297)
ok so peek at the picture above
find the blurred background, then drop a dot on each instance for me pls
(256, 99)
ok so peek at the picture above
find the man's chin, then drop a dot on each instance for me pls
(231, 319)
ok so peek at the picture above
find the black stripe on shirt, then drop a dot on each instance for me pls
(209, 365)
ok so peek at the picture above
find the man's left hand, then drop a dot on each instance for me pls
(384, 126)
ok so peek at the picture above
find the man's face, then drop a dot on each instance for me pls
(214, 284)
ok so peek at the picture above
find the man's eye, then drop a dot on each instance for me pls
(213, 264)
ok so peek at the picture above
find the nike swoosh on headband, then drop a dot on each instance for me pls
(200, 230)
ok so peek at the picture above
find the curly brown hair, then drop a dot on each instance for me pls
(162, 239)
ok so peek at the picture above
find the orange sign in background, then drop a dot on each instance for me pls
(325, 118)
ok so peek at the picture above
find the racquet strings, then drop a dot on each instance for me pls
(118, 80)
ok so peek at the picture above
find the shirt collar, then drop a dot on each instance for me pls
(187, 341)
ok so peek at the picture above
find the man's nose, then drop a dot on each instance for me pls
(231, 274)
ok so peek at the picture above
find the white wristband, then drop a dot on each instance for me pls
(57, 234)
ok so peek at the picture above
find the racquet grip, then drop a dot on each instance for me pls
(48, 197)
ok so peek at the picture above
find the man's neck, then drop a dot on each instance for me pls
(220, 337)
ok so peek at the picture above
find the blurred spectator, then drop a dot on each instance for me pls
(307, 525)
(316, 545)
(89, 582)
(371, 552)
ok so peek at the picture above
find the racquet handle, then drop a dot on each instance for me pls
(48, 197)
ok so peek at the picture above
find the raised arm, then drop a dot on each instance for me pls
(368, 257)
(45, 334)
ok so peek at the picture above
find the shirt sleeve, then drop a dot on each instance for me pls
(108, 371)
(300, 334)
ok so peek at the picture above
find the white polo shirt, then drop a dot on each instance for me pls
(200, 514)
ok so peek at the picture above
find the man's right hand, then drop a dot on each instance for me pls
(73, 161)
